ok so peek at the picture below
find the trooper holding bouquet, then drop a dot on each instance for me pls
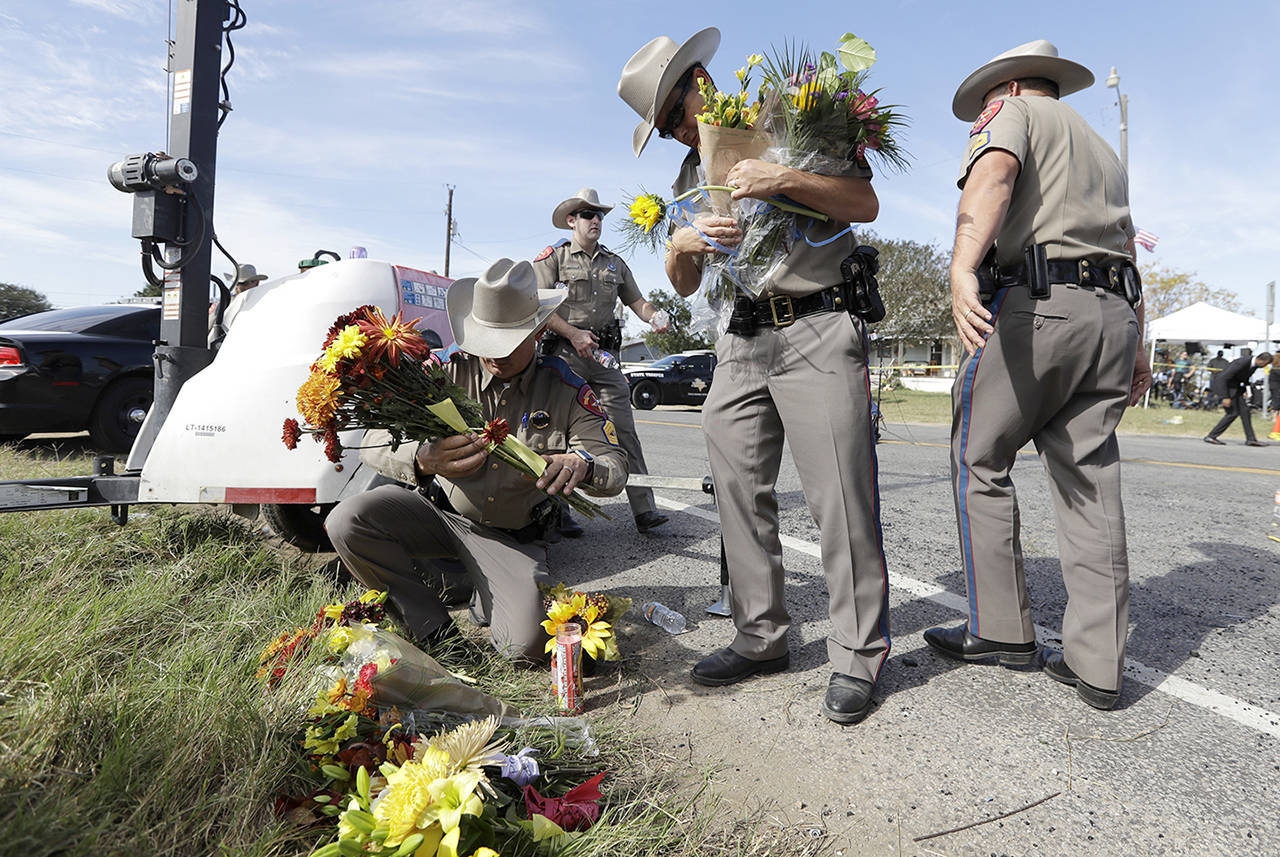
(584, 325)
(1052, 335)
(793, 363)
(488, 515)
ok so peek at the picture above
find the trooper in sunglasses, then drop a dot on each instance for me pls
(596, 278)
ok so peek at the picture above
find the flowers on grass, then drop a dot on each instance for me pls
(594, 613)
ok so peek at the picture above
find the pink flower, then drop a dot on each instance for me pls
(863, 105)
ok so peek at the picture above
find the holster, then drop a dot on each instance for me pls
(988, 274)
(1037, 266)
(858, 270)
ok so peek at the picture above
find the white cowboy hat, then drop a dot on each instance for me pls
(245, 275)
(585, 198)
(651, 73)
(1034, 59)
(492, 314)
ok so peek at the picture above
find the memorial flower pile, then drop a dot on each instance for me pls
(393, 783)
(375, 372)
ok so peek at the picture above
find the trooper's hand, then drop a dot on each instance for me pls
(452, 457)
(690, 240)
(583, 342)
(563, 473)
(756, 178)
(971, 317)
(1141, 377)
(1226, 403)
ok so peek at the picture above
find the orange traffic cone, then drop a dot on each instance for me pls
(1275, 429)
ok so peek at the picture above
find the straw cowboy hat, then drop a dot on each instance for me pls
(246, 275)
(585, 198)
(1034, 59)
(492, 314)
(649, 76)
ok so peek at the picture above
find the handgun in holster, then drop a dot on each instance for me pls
(858, 270)
(1131, 281)
(988, 273)
(1037, 264)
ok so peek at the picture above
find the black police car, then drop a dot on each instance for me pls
(677, 379)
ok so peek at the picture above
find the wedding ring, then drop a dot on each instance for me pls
(967, 313)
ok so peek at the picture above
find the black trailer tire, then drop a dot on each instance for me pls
(646, 396)
(117, 418)
(300, 525)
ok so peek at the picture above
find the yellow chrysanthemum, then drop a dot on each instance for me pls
(349, 342)
(647, 210)
(407, 799)
(318, 398)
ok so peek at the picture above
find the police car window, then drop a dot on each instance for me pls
(665, 362)
(73, 320)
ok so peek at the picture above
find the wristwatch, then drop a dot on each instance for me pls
(589, 459)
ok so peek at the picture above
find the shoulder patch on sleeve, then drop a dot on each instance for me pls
(977, 143)
(587, 398)
(550, 249)
(610, 432)
(988, 113)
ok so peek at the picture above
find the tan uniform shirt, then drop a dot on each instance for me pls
(807, 268)
(595, 281)
(1072, 194)
(549, 408)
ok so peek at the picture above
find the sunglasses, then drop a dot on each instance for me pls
(589, 214)
(676, 115)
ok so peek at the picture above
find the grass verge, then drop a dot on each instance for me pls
(131, 721)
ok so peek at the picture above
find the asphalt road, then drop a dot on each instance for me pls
(1188, 764)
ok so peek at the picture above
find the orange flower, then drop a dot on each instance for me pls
(390, 337)
(318, 398)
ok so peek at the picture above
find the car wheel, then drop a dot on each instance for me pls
(118, 416)
(300, 525)
(645, 396)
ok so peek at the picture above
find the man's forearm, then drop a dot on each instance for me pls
(983, 205)
(847, 199)
(683, 272)
(560, 327)
(643, 310)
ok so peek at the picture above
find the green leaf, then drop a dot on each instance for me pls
(855, 54)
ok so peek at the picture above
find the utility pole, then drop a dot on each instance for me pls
(448, 229)
(1113, 82)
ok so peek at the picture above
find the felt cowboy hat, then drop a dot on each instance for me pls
(492, 314)
(651, 73)
(246, 275)
(1034, 59)
(585, 198)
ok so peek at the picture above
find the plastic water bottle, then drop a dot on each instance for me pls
(660, 320)
(664, 617)
(605, 359)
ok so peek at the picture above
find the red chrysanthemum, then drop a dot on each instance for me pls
(391, 338)
(364, 682)
(360, 313)
(496, 431)
(332, 448)
(292, 433)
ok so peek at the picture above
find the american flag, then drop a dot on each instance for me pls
(1147, 240)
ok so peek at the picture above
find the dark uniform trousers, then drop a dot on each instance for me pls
(379, 532)
(1238, 408)
(614, 393)
(807, 382)
(1057, 372)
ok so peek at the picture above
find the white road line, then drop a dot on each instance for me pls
(1219, 703)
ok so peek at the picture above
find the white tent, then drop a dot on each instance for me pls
(1202, 322)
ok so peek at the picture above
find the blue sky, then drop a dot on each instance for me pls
(350, 119)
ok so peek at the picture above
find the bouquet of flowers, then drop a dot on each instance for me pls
(594, 613)
(379, 373)
(810, 113)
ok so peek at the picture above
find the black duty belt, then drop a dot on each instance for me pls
(1079, 272)
(782, 310)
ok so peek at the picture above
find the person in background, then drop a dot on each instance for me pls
(245, 278)
(584, 325)
(1230, 387)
